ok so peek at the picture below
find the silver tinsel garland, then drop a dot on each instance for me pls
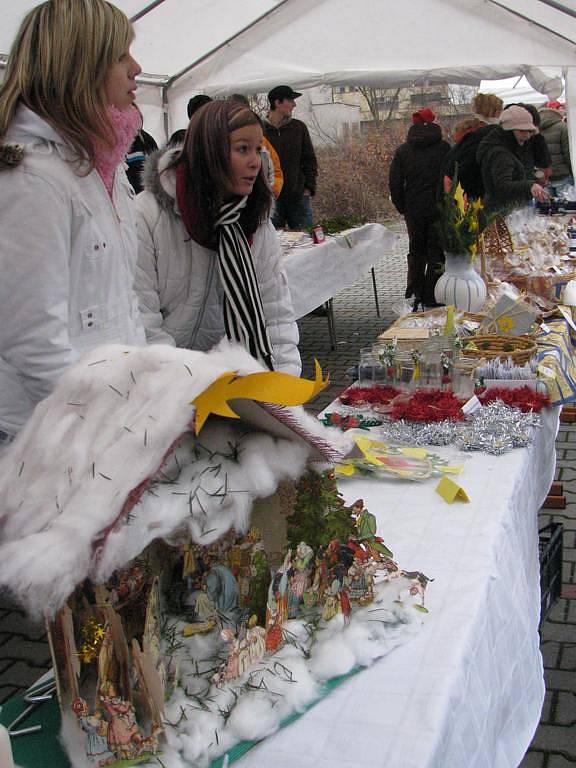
(495, 428)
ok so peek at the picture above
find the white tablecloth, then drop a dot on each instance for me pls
(467, 691)
(316, 273)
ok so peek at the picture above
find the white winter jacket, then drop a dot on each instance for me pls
(178, 283)
(67, 260)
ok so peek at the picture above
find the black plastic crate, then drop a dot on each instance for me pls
(550, 545)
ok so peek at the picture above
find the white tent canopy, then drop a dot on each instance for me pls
(222, 46)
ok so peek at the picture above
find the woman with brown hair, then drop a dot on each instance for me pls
(209, 258)
(68, 239)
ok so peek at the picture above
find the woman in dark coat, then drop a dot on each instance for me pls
(507, 180)
(414, 174)
(468, 134)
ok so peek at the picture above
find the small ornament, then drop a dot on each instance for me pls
(318, 235)
(446, 365)
(92, 634)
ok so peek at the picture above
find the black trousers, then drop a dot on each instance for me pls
(425, 257)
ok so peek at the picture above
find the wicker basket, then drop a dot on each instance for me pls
(518, 348)
(496, 239)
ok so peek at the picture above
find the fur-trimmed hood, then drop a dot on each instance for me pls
(159, 181)
(26, 129)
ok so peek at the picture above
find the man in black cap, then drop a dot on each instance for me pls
(291, 140)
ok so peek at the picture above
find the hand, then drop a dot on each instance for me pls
(307, 193)
(539, 193)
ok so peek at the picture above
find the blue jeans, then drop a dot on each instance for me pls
(295, 214)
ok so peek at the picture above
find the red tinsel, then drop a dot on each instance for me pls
(360, 395)
(525, 398)
(428, 405)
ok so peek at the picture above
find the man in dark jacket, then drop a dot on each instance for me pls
(291, 140)
(505, 175)
(414, 174)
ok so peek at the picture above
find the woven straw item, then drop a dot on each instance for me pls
(519, 348)
(496, 240)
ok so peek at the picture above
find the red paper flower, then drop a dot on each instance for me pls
(428, 405)
(525, 398)
(360, 395)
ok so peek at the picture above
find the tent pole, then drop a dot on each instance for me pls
(145, 10)
(164, 91)
(531, 21)
(559, 7)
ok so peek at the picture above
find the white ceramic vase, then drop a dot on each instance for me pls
(460, 285)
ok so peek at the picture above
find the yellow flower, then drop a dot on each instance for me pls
(505, 323)
(459, 197)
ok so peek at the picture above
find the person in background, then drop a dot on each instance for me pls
(177, 138)
(68, 247)
(195, 103)
(468, 134)
(536, 154)
(209, 262)
(270, 160)
(555, 132)
(142, 147)
(291, 141)
(505, 175)
(414, 172)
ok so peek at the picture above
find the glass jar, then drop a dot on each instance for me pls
(405, 370)
(366, 367)
(463, 377)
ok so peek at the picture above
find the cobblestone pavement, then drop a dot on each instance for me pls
(24, 652)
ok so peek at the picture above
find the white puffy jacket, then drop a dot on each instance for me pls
(178, 283)
(67, 260)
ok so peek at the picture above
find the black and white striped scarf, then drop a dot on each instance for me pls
(243, 311)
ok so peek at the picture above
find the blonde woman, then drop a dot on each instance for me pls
(68, 248)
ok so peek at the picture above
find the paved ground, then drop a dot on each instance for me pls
(24, 653)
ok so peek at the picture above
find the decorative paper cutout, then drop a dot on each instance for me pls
(377, 458)
(268, 386)
(451, 491)
(510, 316)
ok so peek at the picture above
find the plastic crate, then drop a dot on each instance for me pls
(550, 545)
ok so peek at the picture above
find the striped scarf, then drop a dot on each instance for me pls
(243, 311)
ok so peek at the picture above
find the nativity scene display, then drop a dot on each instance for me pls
(199, 625)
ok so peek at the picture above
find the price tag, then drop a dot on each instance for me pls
(471, 405)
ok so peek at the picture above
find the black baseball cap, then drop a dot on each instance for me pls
(282, 92)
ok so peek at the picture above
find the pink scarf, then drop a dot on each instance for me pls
(126, 124)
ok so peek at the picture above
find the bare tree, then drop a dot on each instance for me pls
(371, 95)
(376, 97)
(460, 95)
